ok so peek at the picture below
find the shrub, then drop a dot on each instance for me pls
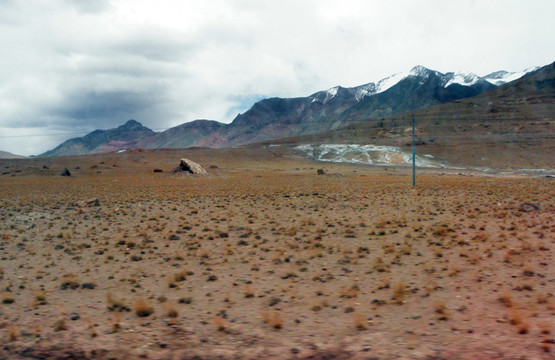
(142, 308)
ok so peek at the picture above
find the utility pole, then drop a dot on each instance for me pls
(413, 155)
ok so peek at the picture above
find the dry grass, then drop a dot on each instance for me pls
(360, 322)
(142, 308)
(13, 333)
(60, 325)
(171, 310)
(399, 292)
(272, 318)
(269, 236)
(7, 297)
(506, 299)
(219, 323)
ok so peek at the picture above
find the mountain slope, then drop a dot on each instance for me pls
(9, 155)
(512, 125)
(337, 107)
(181, 136)
(102, 140)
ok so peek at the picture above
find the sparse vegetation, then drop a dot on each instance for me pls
(142, 308)
(308, 260)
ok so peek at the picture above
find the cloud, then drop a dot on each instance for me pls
(89, 6)
(71, 65)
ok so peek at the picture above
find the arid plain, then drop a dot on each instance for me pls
(265, 259)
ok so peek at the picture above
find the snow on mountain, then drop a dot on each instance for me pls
(461, 78)
(447, 79)
(330, 94)
(390, 81)
(503, 77)
(364, 90)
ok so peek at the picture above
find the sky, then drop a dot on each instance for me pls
(72, 66)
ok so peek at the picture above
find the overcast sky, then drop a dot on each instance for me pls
(72, 66)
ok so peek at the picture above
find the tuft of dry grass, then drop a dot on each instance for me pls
(115, 304)
(505, 299)
(60, 325)
(545, 327)
(13, 332)
(399, 292)
(523, 327)
(441, 310)
(40, 296)
(273, 319)
(142, 308)
(360, 322)
(219, 322)
(249, 292)
(515, 318)
(7, 297)
(171, 310)
(116, 322)
(180, 276)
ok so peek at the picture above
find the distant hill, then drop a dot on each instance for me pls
(102, 140)
(181, 136)
(8, 155)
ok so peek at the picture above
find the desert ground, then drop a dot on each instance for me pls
(266, 259)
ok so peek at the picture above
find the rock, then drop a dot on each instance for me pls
(158, 170)
(529, 207)
(89, 202)
(65, 172)
(320, 172)
(191, 167)
(88, 285)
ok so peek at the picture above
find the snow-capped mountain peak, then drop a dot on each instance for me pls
(420, 70)
(461, 78)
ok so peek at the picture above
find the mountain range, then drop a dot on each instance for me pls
(509, 126)
(276, 118)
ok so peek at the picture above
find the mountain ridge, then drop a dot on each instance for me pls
(512, 125)
(274, 118)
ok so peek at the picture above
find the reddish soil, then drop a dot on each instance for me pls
(265, 259)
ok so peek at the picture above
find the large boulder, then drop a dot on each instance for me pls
(65, 172)
(88, 202)
(186, 165)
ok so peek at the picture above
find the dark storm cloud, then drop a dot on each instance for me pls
(102, 108)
